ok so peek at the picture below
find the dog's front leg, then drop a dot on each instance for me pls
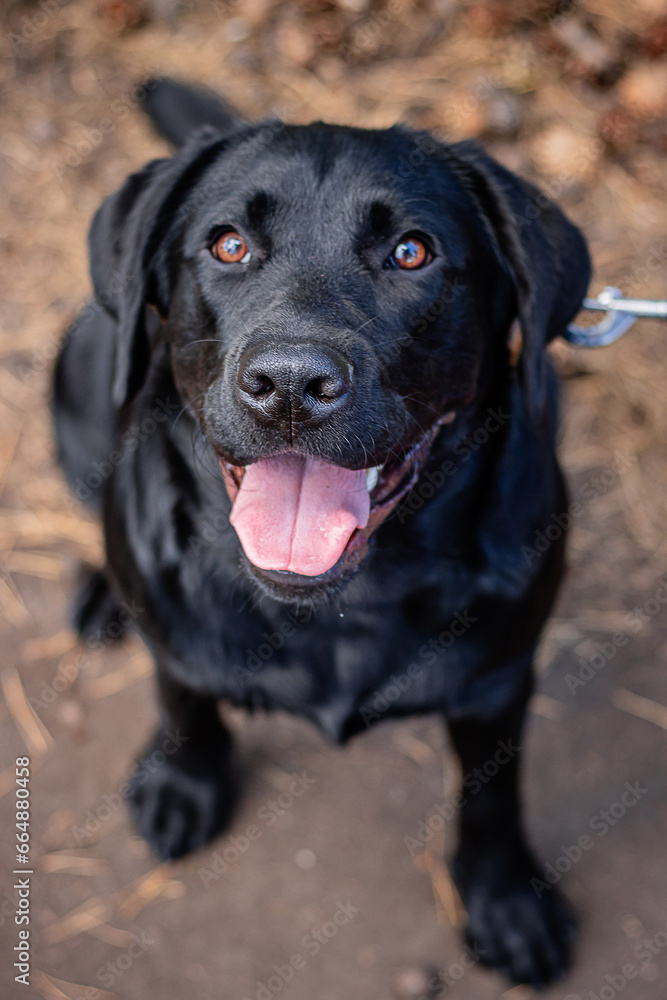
(181, 791)
(524, 933)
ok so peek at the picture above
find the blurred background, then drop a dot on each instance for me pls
(571, 95)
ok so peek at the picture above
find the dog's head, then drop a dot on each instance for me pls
(331, 297)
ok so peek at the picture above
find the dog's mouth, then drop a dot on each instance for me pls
(303, 522)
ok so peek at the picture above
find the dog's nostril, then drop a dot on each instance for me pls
(263, 385)
(255, 383)
(325, 389)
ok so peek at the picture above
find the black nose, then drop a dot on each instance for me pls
(300, 383)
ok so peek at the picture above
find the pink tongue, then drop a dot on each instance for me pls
(298, 513)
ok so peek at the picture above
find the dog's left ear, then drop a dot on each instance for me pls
(131, 244)
(544, 253)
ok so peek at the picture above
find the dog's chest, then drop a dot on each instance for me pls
(344, 668)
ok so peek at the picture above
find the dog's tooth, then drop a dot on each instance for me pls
(372, 476)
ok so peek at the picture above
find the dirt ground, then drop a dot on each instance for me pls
(571, 96)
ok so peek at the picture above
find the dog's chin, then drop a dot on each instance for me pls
(303, 591)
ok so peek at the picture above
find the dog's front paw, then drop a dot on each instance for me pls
(525, 934)
(179, 802)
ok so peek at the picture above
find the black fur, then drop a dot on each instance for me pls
(145, 404)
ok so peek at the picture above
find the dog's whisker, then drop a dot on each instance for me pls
(187, 406)
(208, 340)
(395, 340)
(367, 323)
(424, 404)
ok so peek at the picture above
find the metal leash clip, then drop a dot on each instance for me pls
(621, 314)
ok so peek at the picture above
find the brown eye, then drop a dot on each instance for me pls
(230, 248)
(410, 254)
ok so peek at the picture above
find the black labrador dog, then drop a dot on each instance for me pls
(312, 403)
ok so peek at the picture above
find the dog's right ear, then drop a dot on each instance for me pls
(132, 242)
(177, 110)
